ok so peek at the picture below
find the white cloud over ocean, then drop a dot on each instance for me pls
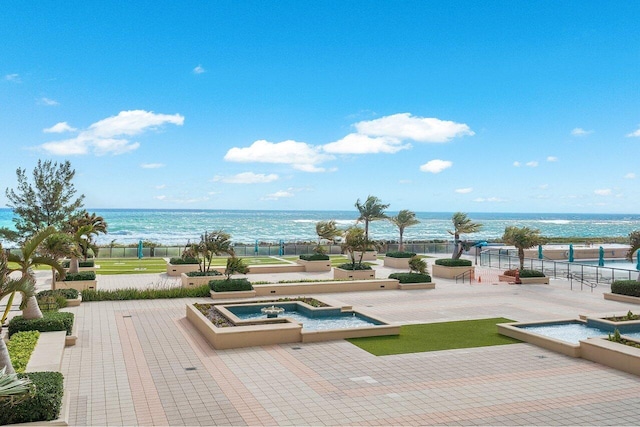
(299, 155)
(436, 166)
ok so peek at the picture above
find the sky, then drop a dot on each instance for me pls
(497, 106)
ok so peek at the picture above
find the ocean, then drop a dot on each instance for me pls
(176, 227)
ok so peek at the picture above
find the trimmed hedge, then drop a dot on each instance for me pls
(400, 254)
(524, 273)
(411, 277)
(354, 267)
(43, 405)
(20, 347)
(315, 257)
(204, 273)
(83, 275)
(87, 263)
(66, 293)
(626, 287)
(52, 321)
(178, 261)
(230, 285)
(450, 262)
(134, 294)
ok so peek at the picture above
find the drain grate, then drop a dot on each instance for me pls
(296, 348)
(126, 316)
(541, 357)
(191, 368)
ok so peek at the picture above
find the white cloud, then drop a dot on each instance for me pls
(300, 155)
(464, 190)
(630, 175)
(48, 102)
(532, 164)
(161, 186)
(552, 159)
(199, 70)
(516, 164)
(405, 126)
(278, 195)
(162, 197)
(102, 136)
(152, 165)
(13, 78)
(634, 134)
(489, 200)
(356, 143)
(603, 192)
(247, 178)
(60, 128)
(580, 132)
(436, 166)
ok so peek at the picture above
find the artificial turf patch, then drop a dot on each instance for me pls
(437, 336)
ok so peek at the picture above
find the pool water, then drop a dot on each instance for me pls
(326, 319)
(613, 263)
(573, 332)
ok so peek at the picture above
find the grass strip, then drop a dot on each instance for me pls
(436, 337)
(135, 294)
(20, 347)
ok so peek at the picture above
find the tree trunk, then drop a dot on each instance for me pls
(32, 310)
(521, 257)
(5, 360)
(456, 247)
(401, 246)
(74, 265)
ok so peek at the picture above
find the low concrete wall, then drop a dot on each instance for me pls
(74, 302)
(194, 282)
(79, 285)
(47, 355)
(612, 354)
(368, 255)
(525, 280)
(324, 287)
(410, 286)
(621, 298)
(450, 272)
(178, 269)
(232, 294)
(276, 268)
(510, 330)
(340, 334)
(339, 273)
(396, 262)
(315, 266)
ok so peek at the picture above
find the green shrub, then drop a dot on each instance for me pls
(400, 254)
(134, 294)
(20, 347)
(204, 273)
(66, 293)
(187, 260)
(626, 287)
(87, 263)
(524, 273)
(44, 403)
(83, 275)
(230, 285)
(52, 321)
(450, 262)
(315, 257)
(417, 265)
(356, 266)
(51, 302)
(411, 277)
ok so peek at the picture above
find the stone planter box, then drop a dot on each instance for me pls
(409, 286)
(612, 354)
(525, 280)
(315, 266)
(74, 302)
(621, 298)
(368, 255)
(177, 269)
(339, 273)
(194, 282)
(450, 272)
(397, 262)
(232, 294)
(80, 285)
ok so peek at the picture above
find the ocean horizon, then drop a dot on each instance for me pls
(178, 226)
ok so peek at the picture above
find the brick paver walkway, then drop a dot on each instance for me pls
(142, 363)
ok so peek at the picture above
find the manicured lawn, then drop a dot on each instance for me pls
(222, 261)
(109, 266)
(437, 336)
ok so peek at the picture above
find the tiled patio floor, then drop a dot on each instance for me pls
(142, 363)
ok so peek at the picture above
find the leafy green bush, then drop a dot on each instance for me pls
(83, 275)
(52, 321)
(417, 265)
(20, 347)
(230, 285)
(51, 302)
(66, 293)
(450, 262)
(315, 257)
(133, 294)
(400, 254)
(352, 267)
(187, 260)
(411, 277)
(626, 287)
(204, 273)
(44, 403)
(524, 273)
(87, 263)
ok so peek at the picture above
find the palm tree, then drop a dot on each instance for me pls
(634, 241)
(83, 229)
(58, 246)
(211, 244)
(12, 387)
(461, 225)
(326, 230)
(404, 219)
(26, 260)
(372, 210)
(522, 238)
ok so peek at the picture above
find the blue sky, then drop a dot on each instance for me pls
(496, 106)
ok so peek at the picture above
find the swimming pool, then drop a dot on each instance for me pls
(575, 331)
(622, 264)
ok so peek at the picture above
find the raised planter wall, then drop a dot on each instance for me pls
(324, 287)
(276, 268)
(178, 269)
(611, 354)
(80, 285)
(396, 262)
(339, 273)
(450, 272)
(315, 266)
(621, 298)
(525, 280)
(232, 294)
(193, 282)
(368, 255)
(562, 347)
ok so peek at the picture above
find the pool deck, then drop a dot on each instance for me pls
(143, 363)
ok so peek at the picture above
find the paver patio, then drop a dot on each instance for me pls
(142, 363)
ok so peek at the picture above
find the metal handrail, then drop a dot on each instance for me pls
(580, 278)
(463, 275)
